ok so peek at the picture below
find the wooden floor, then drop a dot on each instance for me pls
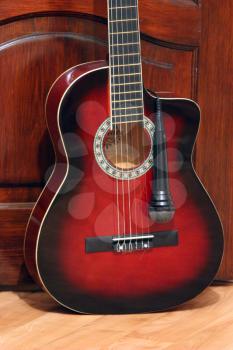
(31, 321)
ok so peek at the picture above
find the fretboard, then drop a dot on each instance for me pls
(125, 62)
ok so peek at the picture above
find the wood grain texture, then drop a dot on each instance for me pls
(214, 156)
(33, 321)
(13, 223)
(170, 70)
(165, 18)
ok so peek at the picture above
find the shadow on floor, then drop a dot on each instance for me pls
(42, 301)
(208, 297)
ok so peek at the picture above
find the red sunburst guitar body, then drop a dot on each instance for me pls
(90, 242)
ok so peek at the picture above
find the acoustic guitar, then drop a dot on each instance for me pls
(123, 224)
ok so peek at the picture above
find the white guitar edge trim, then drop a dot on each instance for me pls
(67, 159)
(46, 121)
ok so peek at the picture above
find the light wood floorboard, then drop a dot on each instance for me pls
(32, 321)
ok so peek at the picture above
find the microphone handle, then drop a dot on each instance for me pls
(161, 207)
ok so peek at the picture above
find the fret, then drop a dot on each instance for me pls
(120, 91)
(124, 65)
(115, 3)
(127, 118)
(119, 98)
(127, 115)
(135, 43)
(126, 95)
(125, 39)
(123, 75)
(123, 26)
(121, 7)
(124, 50)
(127, 122)
(127, 112)
(126, 79)
(125, 60)
(126, 76)
(127, 73)
(129, 92)
(123, 20)
(125, 101)
(127, 32)
(126, 85)
(126, 54)
(122, 104)
(127, 106)
(126, 70)
(123, 108)
(133, 99)
(131, 109)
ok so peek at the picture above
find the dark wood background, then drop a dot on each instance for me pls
(186, 46)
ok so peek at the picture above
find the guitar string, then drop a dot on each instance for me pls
(118, 170)
(139, 202)
(133, 96)
(112, 92)
(120, 195)
(146, 217)
(127, 145)
(120, 23)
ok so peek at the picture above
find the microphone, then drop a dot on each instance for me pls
(161, 207)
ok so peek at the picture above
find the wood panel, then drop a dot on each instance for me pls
(170, 70)
(214, 159)
(13, 220)
(176, 21)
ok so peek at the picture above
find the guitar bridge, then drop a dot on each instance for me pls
(130, 243)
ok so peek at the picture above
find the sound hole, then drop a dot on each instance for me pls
(127, 146)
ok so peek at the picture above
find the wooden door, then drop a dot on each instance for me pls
(39, 40)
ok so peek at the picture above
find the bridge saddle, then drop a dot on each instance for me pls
(131, 243)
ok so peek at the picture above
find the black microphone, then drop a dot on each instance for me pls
(161, 208)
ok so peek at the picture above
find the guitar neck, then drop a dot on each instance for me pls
(125, 62)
